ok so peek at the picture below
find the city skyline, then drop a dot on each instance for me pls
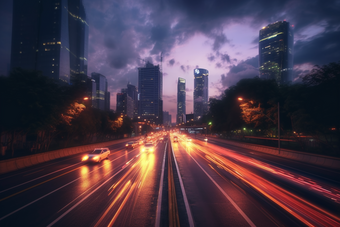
(223, 41)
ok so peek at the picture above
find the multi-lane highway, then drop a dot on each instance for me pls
(186, 183)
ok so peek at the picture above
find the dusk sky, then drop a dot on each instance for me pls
(218, 35)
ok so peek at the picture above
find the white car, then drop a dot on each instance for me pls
(148, 147)
(97, 155)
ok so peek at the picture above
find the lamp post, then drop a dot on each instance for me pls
(278, 122)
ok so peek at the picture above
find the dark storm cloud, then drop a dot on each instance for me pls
(225, 58)
(172, 62)
(211, 58)
(183, 68)
(219, 41)
(320, 50)
(245, 69)
(218, 65)
(121, 32)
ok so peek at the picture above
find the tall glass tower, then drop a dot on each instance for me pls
(150, 88)
(50, 36)
(276, 52)
(101, 91)
(181, 110)
(200, 92)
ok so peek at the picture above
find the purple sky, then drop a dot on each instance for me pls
(218, 35)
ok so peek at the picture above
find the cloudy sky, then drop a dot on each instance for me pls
(218, 35)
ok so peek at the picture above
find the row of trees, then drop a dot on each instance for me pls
(310, 108)
(36, 112)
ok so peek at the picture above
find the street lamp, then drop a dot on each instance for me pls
(278, 122)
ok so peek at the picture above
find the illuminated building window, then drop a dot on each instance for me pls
(52, 71)
(47, 49)
(44, 44)
(52, 64)
(20, 52)
(59, 42)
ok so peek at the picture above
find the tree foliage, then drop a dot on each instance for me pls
(35, 106)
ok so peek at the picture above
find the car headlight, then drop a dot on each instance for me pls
(85, 158)
(143, 149)
(151, 149)
(95, 158)
(126, 145)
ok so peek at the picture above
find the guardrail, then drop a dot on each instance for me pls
(30, 160)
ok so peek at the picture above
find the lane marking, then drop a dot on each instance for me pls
(46, 180)
(226, 195)
(54, 191)
(75, 205)
(187, 207)
(45, 175)
(38, 178)
(160, 192)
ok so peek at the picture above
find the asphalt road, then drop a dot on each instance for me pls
(215, 185)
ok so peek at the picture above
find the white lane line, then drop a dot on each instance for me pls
(38, 178)
(226, 195)
(53, 191)
(75, 205)
(187, 207)
(160, 192)
(43, 176)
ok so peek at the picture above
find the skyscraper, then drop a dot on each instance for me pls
(276, 52)
(50, 36)
(132, 92)
(101, 91)
(200, 92)
(125, 104)
(150, 88)
(181, 110)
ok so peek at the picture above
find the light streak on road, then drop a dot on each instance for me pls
(306, 212)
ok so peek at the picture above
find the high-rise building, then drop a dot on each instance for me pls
(166, 118)
(132, 92)
(200, 92)
(107, 101)
(276, 52)
(50, 36)
(181, 110)
(150, 88)
(125, 104)
(101, 91)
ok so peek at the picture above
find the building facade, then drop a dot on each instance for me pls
(150, 88)
(101, 91)
(166, 118)
(125, 104)
(181, 94)
(50, 36)
(200, 92)
(276, 52)
(133, 93)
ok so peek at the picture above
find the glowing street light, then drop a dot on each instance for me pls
(86, 98)
(239, 98)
